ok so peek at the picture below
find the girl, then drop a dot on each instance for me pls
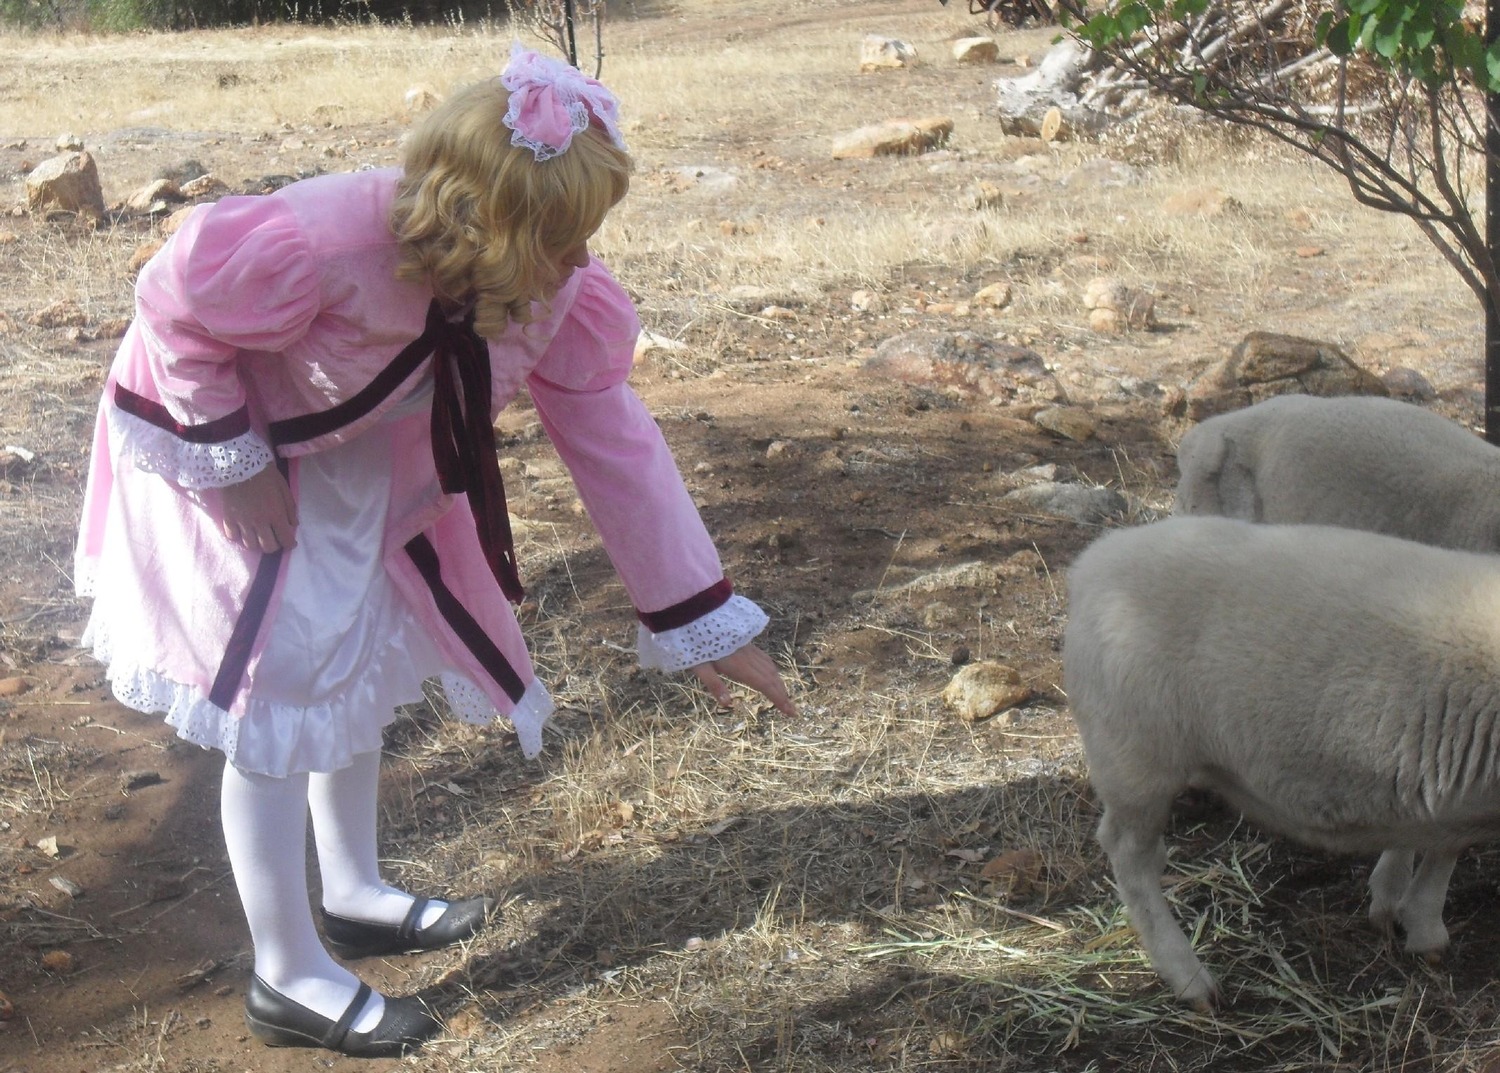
(294, 513)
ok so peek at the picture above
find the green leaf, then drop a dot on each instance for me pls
(1337, 37)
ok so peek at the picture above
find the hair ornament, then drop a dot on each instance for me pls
(551, 101)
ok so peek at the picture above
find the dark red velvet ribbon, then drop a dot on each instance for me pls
(463, 438)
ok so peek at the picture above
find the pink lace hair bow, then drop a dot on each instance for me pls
(551, 101)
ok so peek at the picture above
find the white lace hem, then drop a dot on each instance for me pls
(469, 703)
(188, 465)
(342, 729)
(726, 629)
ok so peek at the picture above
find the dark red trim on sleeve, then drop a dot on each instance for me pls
(424, 556)
(689, 610)
(154, 413)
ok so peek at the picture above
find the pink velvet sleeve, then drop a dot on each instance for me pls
(238, 277)
(621, 465)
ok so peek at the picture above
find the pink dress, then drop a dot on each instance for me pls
(272, 331)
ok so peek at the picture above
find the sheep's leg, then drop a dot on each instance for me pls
(1388, 884)
(1133, 840)
(1421, 908)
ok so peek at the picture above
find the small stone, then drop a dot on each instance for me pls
(58, 961)
(143, 253)
(1106, 321)
(982, 690)
(995, 296)
(64, 313)
(986, 195)
(1070, 422)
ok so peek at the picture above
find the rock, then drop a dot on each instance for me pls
(986, 195)
(66, 183)
(1084, 504)
(1204, 201)
(1069, 422)
(172, 223)
(204, 186)
(976, 50)
(702, 177)
(985, 689)
(894, 137)
(1025, 563)
(1106, 321)
(972, 575)
(994, 296)
(649, 341)
(1135, 307)
(64, 313)
(143, 253)
(1016, 872)
(1406, 383)
(966, 363)
(68, 143)
(158, 191)
(419, 99)
(876, 52)
(66, 885)
(58, 961)
(1266, 364)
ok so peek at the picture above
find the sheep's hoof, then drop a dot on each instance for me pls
(1201, 993)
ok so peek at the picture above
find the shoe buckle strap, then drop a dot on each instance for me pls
(334, 1039)
(408, 928)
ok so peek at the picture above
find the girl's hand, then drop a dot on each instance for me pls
(259, 513)
(748, 666)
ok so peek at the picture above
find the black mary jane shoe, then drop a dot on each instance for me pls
(351, 939)
(277, 1021)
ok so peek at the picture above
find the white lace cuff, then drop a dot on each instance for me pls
(727, 628)
(185, 464)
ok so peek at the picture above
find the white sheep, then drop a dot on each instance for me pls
(1336, 686)
(1358, 461)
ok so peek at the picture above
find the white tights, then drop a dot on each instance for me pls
(265, 830)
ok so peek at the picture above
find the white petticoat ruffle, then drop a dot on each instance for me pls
(186, 464)
(726, 629)
(284, 739)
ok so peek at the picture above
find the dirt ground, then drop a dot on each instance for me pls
(828, 487)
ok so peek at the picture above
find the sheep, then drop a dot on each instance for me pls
(1360, 462)
(1336, 686)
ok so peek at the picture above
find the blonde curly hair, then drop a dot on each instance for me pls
(483, 221)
